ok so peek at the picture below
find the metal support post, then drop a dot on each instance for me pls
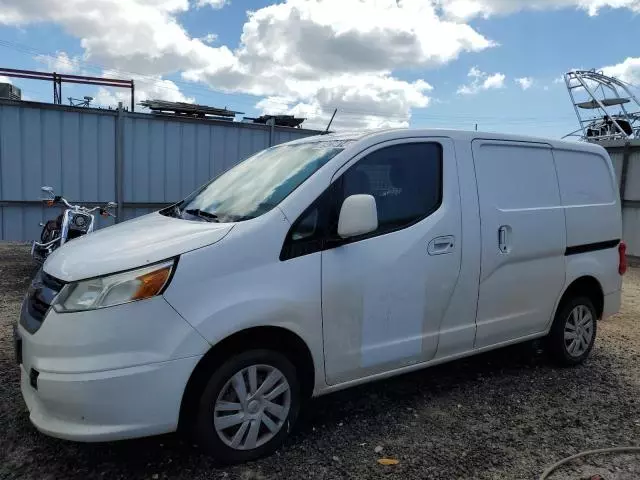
(119, 177)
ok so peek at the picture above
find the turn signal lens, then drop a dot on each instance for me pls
(151, 283)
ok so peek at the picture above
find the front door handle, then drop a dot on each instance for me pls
(442, 245)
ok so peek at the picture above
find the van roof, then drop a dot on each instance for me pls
(469, 135)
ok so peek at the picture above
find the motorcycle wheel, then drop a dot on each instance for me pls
(48, 231)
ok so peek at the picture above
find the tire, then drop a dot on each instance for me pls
(565, 352)
(222, 389)
(48, 231)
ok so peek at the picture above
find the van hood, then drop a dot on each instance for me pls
(135, 243)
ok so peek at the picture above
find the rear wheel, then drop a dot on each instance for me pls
(248, 406)
(573, 333)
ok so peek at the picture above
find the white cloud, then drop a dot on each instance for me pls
(525, 82)
(627, 71)
(4, 79)
(140, 39)
(466, 9)
(482, 81)
(363, 102)
(60, 62)
(318, 53)
(494, 81)
(142, 36)
(305, 37)
(109, 98)
(215, 4)
(209, 38)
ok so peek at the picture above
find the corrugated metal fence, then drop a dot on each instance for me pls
(626, 161)
(145, 161)
(92, 156)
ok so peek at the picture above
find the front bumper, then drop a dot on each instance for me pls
(108, 374)
(110, 405)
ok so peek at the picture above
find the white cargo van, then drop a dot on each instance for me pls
(315, 266)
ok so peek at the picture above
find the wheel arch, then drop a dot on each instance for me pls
(588, 286)
(279, 339)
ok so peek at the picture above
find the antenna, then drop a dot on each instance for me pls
(330, 121)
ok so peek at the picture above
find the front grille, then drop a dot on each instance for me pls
(42, 292)
(37, 306)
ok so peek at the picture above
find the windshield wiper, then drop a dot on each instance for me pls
(196, 212)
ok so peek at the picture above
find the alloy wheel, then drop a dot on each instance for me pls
(578, 331)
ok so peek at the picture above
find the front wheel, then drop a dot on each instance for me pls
(49, 231)
(248, 406)
(573, 332)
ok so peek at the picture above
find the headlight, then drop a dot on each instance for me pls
(114, 289)
(80, 220)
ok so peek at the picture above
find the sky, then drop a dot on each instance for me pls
(381, 63)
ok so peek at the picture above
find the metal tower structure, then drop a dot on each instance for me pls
(59, 78)
(594, 97)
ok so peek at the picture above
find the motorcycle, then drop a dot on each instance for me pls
(74, 222)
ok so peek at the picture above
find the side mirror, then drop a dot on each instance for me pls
(358, 216)
(49, 196)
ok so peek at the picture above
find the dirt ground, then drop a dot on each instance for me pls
(503, 415)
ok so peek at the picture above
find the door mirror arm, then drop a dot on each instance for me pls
(334, 241)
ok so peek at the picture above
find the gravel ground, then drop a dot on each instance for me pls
(503, 415)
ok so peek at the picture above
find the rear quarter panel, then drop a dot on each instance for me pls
(601, 264)
(591, 202)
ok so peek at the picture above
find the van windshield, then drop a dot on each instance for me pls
(256, 185)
